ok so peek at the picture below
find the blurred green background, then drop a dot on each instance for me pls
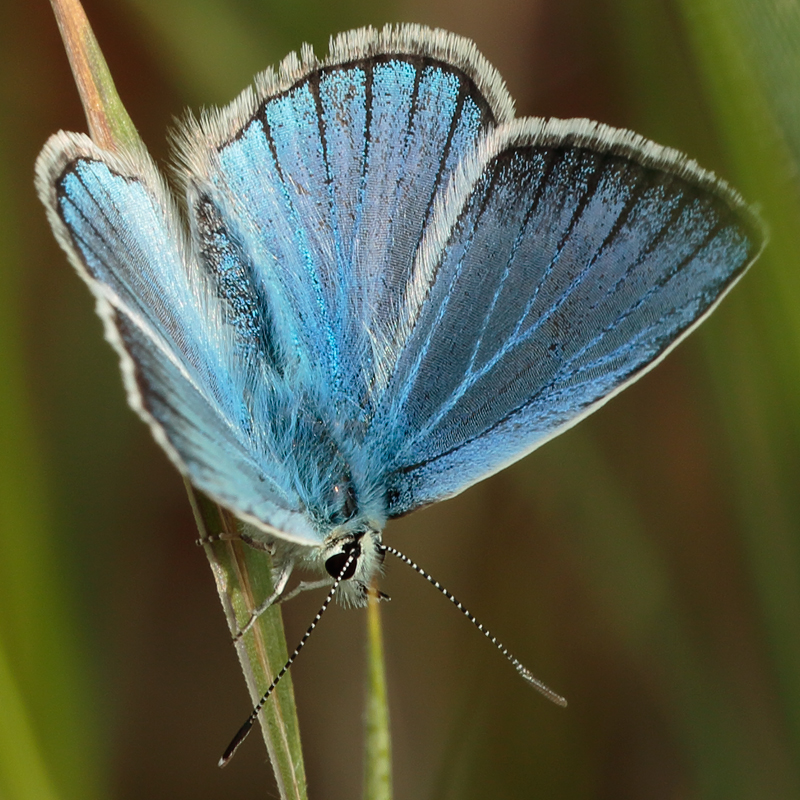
(646, 564)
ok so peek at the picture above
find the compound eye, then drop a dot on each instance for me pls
(335, 564)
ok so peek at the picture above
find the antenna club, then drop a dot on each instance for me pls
(540, 687)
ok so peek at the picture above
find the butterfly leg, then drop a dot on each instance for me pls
(217, 537)
(279, 581)
(258, 543)
(238, 536)
(304, 586)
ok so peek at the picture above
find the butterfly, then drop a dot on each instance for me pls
(379, 287)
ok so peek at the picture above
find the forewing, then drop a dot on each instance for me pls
(184, 366)
(325, 179)
(574, 257)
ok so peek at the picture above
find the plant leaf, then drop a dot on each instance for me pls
(244, 579)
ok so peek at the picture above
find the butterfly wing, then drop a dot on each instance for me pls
(567, 260)
(387, 279)
(325, 176)
(183, 367)
(251, 347)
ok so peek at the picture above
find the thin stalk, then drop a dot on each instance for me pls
(109, 124)
(378, 756)
(244, 579)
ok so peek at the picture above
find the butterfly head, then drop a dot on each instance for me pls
(364, 544)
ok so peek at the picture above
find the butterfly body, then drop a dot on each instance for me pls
(387, 288)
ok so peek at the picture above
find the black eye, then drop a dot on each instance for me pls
(335, 564)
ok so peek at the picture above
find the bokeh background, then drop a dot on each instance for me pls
(646, 564)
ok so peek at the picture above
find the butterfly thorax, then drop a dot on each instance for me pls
(341, 496)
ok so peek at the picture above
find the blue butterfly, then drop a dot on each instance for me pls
(380, 287)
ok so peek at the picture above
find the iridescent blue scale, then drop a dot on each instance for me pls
(389, 288)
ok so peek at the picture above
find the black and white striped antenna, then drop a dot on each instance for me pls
(523, 671)
(241, 734)
(518, 665)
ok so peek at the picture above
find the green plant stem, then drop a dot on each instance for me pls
(378, 756)
(244, 579)
(109, 124)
